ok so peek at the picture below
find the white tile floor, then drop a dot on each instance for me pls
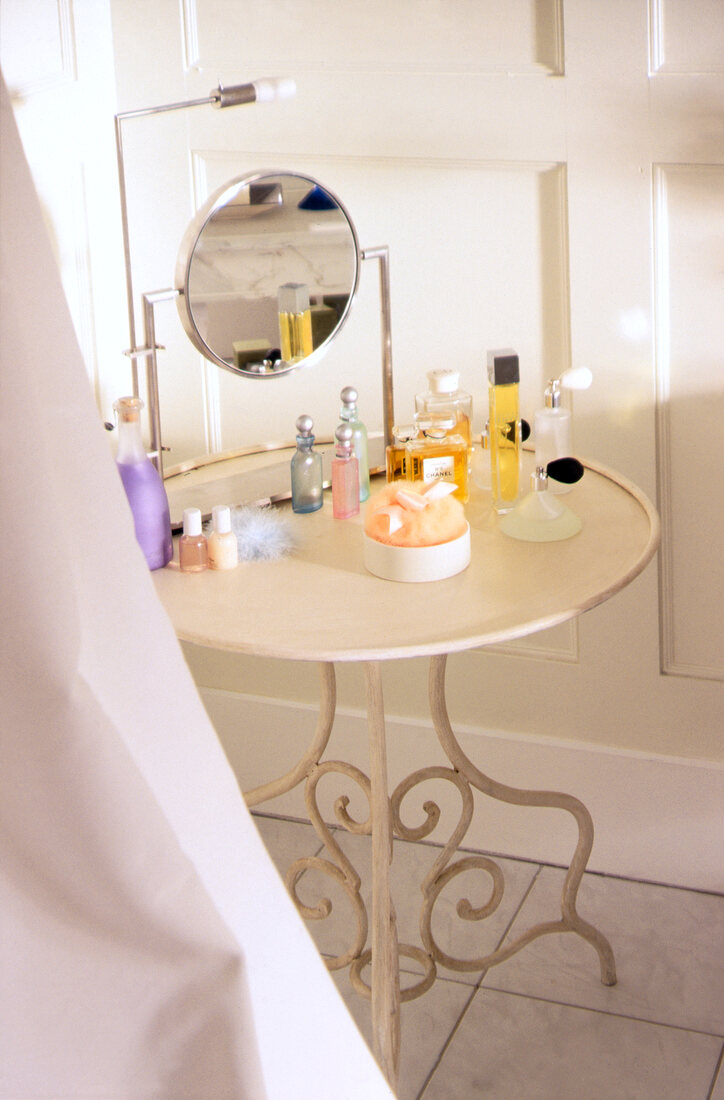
(541, 1026)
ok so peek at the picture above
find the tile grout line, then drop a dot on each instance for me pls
(477, 987)
(605, 1012)
(515, 859)
(718, 1068)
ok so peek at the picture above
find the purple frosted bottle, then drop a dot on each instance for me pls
(143, 485)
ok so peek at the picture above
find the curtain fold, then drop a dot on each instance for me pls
(148, 947)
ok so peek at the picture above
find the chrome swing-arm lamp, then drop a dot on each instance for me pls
(265, 90)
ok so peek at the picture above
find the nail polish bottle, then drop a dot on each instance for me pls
(349, 415)
(193, 554)
(223, 549)
(306, 470)
(345, 475)
(504, 428)
(143, 485)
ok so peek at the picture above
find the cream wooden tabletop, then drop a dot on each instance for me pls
(321, 604)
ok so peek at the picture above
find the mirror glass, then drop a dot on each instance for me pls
(266, 273)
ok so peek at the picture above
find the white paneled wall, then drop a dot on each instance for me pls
(548, 176)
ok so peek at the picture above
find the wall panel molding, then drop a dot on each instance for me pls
(689, 392)
(54, 56)
(558, 643)
(683, 41)
(454, 38)
(657, 818)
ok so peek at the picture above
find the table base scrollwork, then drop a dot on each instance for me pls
(384, 822)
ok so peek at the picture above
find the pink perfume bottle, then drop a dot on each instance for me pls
(345, 475)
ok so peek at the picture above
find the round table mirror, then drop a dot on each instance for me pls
(266, 273)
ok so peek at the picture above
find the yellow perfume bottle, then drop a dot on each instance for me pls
(295, 322)
(504, 428)
(439, 453)
(396, 452)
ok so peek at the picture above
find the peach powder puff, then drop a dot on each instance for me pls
(440, 521)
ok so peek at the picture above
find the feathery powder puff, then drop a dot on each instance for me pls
(413, 513)
(262, 533)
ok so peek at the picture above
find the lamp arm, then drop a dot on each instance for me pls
(264, 90)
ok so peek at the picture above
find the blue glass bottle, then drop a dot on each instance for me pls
(306, 470)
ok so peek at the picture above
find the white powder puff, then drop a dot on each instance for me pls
(262, 533)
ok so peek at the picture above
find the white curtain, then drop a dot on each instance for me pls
(147, 946)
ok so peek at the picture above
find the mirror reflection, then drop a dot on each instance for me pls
(266, 273)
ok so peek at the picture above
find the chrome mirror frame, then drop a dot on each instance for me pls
(218, 201)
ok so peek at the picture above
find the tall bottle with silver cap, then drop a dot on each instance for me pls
(306, 470)
(295, 322)
(504, 427)
(345, 475)
(349, 415)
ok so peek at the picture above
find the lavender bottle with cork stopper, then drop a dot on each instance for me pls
(143, 485)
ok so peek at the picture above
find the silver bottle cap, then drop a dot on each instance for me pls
(539, 480)
(349, 396)
(293, 298)
(345, 439)
(304, 425)
(553, 393)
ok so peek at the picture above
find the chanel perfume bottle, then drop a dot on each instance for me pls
(439, 453)
(444, 397)
(306, 470)
(504, 428)
(349, 415)
(345, 475)
(295, 322)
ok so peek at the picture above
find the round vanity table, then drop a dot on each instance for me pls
(320, 604)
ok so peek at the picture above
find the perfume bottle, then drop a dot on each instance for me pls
(538, 516)
(223, 549)
(306, 466)
(143, 485)
(396, 452)
(445, 397)
(349, 415)
(504, 427)
(295, 322)
(193, 556)
(345, 475)
(552, 424)
(439, 453)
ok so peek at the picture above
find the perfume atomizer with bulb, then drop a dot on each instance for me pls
(552, 424)
(540, 516)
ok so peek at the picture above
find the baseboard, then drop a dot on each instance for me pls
(656, 819)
